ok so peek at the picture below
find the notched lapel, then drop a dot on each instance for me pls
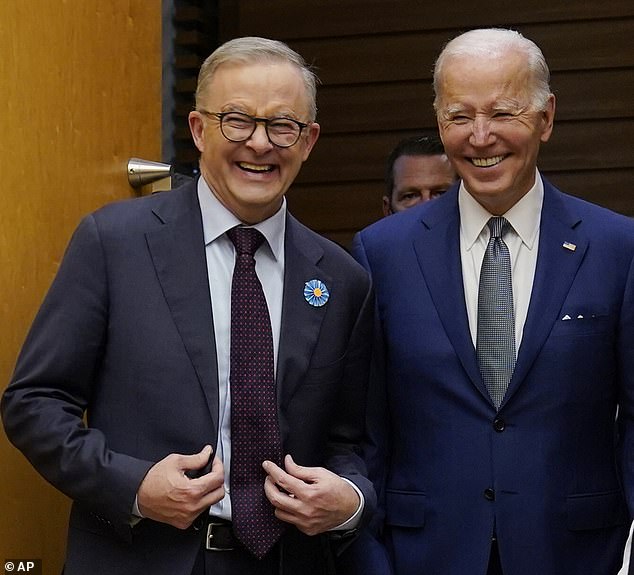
(562, 246)
(178, 253)
(437, 249)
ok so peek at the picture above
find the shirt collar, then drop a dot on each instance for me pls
(524, 216)
(217, 220)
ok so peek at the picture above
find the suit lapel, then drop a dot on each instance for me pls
(178, 252)
(556, 268)
(301, 322)
(557, 265)
(443, 276)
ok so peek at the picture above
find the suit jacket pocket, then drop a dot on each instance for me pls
(405, 508)
(595, 510)
(579, 324)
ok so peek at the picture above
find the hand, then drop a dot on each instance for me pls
(311, 498)
(168, 495)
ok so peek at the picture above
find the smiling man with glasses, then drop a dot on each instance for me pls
(220, 349)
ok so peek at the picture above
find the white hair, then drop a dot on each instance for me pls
(495, 43)
(252, 49)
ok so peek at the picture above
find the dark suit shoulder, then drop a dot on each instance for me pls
(599, 223)
(146, 212)
(327, 253)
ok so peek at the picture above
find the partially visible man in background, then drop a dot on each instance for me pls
(418, 170)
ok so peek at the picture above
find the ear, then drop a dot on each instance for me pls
(387, 210)
(310, 139)
(197, 128)
(548, 118)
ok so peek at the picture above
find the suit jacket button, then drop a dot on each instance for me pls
(489, 494)
(499, 425)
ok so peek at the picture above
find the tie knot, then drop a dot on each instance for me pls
(498, 226)
(245, 240)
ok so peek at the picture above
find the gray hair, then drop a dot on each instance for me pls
(492, 43)
(249, 50)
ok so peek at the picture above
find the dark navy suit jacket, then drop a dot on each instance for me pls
(125, 335)
(550, 472)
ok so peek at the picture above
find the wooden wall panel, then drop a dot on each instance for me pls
(327, 18)
(410, 56)
(375, 60)
(407, 104)
(80, 92)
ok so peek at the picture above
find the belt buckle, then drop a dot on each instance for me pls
(209, 544)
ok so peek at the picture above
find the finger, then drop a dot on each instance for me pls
(279, 498)
(197, 460)
(217, 466)
(284, 481)
(306, 474)
(212, 480)
(212, 497)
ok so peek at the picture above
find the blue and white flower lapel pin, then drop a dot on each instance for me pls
(316, 293)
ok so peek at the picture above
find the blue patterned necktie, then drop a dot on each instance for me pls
(255, 434)
(495, 344)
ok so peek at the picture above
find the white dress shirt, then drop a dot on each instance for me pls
(522, 241)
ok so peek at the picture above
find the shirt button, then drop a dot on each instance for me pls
(489, 494)
(499, 425)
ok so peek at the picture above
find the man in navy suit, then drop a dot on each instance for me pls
(535, 477)
(121, 396)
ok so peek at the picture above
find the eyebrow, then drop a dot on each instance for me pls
(454, 109)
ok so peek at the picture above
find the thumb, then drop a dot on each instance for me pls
(303, 473)
(196, 460)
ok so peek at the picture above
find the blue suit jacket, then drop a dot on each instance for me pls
(125, 334)
(550, 472)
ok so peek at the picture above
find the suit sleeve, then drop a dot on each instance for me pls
(347, 428)
(55, 380)
(625, 366)
(367, 555)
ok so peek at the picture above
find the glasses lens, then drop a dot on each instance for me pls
(237, 127)
(283, 132)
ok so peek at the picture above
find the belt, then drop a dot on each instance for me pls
(220, 536)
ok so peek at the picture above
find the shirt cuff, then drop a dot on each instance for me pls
(354, 521)
(136, 513)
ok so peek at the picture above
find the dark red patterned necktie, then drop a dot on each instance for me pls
(255, 434)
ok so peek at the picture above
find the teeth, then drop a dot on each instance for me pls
(486, 162)
(255, 167)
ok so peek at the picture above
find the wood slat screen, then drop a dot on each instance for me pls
(195, 23)
(375, 61)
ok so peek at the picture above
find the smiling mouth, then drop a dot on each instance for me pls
(486, 162)
(256, 168)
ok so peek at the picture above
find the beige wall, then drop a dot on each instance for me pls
(80, 93)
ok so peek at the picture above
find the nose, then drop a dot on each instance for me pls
(481, 134)
(259, 140)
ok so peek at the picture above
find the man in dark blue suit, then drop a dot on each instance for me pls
(123, 395)
(515, 454)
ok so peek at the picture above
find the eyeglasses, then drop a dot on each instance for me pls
(238, 127)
